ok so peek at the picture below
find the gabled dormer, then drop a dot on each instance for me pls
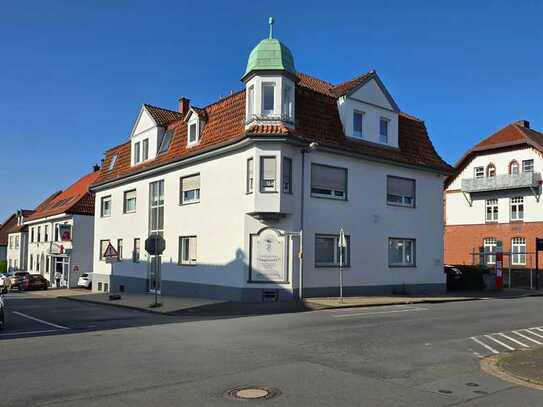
(270, 81)
(367, 110)
(196, 119)
(149, 136)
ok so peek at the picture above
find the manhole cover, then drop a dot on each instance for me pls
(472, 385)
(445, 391)
(251, 393)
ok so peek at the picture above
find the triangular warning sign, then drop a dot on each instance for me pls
(110, 251)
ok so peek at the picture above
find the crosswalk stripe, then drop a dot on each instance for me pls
(532, 332)
(484, 345)
(527, 337)
(513, 340)
(539, 329)
(500, 342)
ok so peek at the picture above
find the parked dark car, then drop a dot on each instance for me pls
(2, 312)
(34, 282)
(15, 280)
(465, 277)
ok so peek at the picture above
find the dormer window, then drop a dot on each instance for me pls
(193, 135)
(165, 144)
(145, 148)
(137, 152)
(268, 99)
(112, 162)
(357, 124)
(383, 130)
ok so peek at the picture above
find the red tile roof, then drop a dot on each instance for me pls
(76, 199)
(317, 119)
(163, 116)
(9, 226)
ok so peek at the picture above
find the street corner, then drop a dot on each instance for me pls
(522, 367)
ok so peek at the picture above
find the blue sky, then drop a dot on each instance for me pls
(74, 73)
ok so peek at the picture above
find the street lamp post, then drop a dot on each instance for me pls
(306, 150)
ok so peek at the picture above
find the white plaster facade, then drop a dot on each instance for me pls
(17, 251)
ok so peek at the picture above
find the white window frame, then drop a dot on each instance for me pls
(361, 135)
(165, 142)
(104, 243)
(335, 262)
(183, 199)
(518, 251)
(403, 199)
(120, 248)
(491, 204)
(288, 104)
(514, 168)
(103, 200)
(337, 194)
(268, 184)
(384, 138)
(479, 172)
(528, 165)
(156, 207)
(517, 208)
(251, 102)
(490, 168)
(137, 153)
(489, 250)
(413, 253)
(190, 126)
(136, 251)
(250, 182)
(268, 112)
(126, 199)
(185, 248)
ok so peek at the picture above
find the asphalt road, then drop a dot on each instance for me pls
(423, 355)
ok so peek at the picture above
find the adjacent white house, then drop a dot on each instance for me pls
(60, 234)
(230, 186)
(17, 242)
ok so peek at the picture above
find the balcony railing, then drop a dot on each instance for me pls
(502, 182)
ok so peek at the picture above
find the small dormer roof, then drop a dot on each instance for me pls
(200, 112)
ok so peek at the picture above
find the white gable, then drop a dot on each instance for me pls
(372, 93)
(143, 123)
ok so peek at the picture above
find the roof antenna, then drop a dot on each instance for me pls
(270, 22)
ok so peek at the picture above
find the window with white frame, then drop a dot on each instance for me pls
(287, 175)
(165, 143)
(489, 250)
(328, 182)
(187, 250)
(250, 175)
(39, 234)
(17, 241)
(268, 99)
(358, 118)
(491, 210)
(479, 172)
(268, 173)
(383, 130)
(145, 150)
(103, 246)
(156, 208)
(105, 206)
(513, 168)
(136, 251)
(31, 235)
(401, 191)
(190, 189)
(137, 152)
(129, 205)
(401, 252)
(490, 170)
(528, 166)
(287, 102)
(46, 233)
(517, 208)
(120, 248)
(518, 251)
(11, 242)
(250, 102)
(193, 134)
(327, 251)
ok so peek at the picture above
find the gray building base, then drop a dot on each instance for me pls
(247, 294)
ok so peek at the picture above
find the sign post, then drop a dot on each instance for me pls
(342, 244)
(538, 247)
(155, 246)
(499, 265)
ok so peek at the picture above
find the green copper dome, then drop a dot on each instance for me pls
(270, 54)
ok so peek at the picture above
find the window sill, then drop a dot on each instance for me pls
(401, 206)
(188, 203)
(334, 266)
(517, 221)
(491, 221)
(129, 213)
(328, 197)
(402, 266)
(268, 192)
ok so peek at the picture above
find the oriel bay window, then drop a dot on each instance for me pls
(491, 210)
(401, 252)
(267, 174)
(268, 99)
(130, 201)
(517, 208)
(328, 182)
(190, 189)
(327, 251)
(187, 250)
(401, 191)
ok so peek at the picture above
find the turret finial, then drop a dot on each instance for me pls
(270, 22)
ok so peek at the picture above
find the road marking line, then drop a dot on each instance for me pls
(499, 342)
(484, 345)
(532, 332)
(29, 332)
(513, 340)
(379, 312)
(539, 329)
(527, 337)
(39, 320)
(478, 355)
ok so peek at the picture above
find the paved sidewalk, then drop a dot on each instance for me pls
(370, 301)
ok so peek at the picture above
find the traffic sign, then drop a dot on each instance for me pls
(155, 245)
(110, 253)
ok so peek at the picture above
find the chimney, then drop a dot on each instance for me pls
(184, 105)
(523, 123)
(95, 168)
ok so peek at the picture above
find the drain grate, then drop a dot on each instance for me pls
(252, 393)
